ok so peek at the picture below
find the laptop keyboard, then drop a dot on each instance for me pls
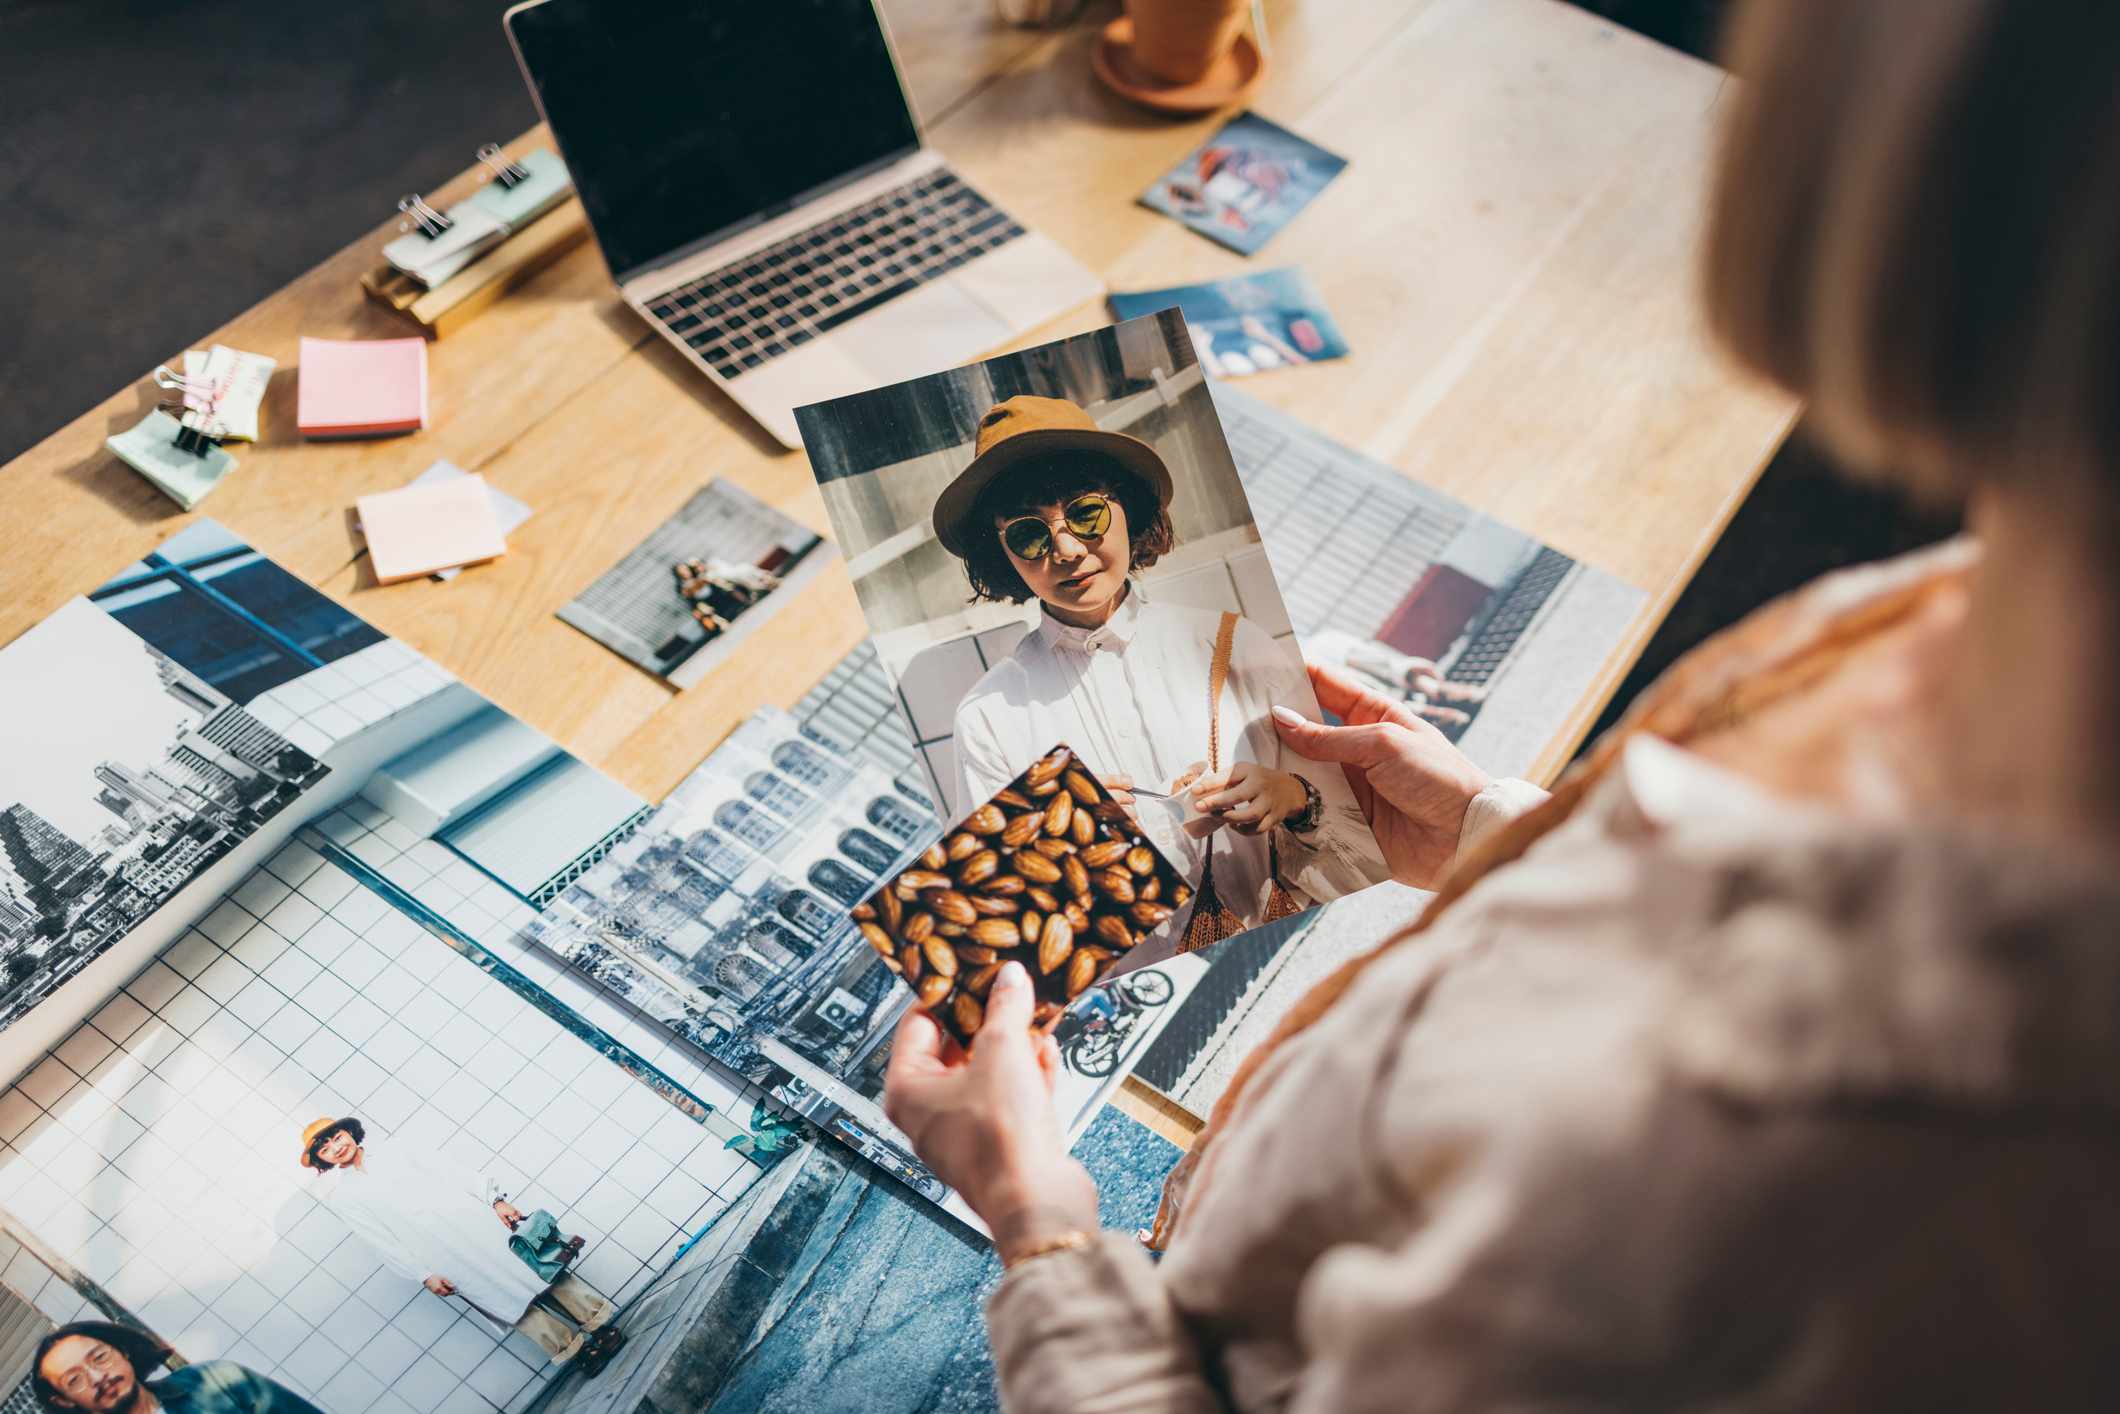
(781, 297)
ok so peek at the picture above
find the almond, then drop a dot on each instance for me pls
(909, 962)
(968, 1012)
(1077, 876)
(1081, 787)
(1116, 884)
(941, 957)
(978, 868)
(953, 907)
(1112, 929)
(933, 856)
(1055, 943)
(1150, 914)
(1012, 799)
(1081, 971)
(1083, 828)
(986, 820)
(993, 933)
(962, 845)
(993, 907)
(1059, 814)
(865, 913)
(892, 908)
(1043, 898)
(1141, 859)
(981, 982)
(1052, 848)
(878, 939)
(1031, 925)
(1003, 885)
(1022, 830)
(1037, 868)
(921, 880)
(933, 989)
(918, 927)
(1104, 853)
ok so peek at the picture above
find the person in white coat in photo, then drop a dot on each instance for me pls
(432, 1221)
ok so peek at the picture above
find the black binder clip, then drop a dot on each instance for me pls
(509, 174)
(192, 424)
(430, 222)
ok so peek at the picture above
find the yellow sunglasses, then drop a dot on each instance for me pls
(1087, 517)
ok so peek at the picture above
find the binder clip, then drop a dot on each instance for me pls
(430, 222)
(509, 174)
(199, 428)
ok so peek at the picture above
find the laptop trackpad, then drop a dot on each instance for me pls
(935, 327)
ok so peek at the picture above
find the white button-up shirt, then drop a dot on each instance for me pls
(1130, 697)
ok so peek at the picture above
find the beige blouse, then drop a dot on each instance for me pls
(1711, 1101)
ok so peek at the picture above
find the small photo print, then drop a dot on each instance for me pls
(1052, 872)
(1054, 546)
(1247, 323)
(706, 578)
(1245, 183)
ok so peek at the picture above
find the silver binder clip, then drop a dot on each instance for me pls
(431, 223)
(509, 174)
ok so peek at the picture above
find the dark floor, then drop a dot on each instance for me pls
(164, 166)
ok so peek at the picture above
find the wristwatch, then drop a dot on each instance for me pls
(1311, 815)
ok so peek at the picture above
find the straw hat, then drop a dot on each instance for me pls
(315, 1129)
(1027, 427)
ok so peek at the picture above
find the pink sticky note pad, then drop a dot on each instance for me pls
(361, 387)
(437, 526)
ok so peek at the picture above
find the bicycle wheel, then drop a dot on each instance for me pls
(1149, 988)
(1096, 1054)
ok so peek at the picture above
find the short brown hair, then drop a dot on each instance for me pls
(1916, 226)
(1050, 481)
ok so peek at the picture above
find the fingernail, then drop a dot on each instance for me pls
(1012, 975)
(1288, 717)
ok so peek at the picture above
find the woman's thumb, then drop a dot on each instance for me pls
(1009, 1001)
(1318, 742)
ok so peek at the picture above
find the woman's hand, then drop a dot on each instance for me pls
(508, 1213)
(986, 1125)
(1410, 781)
(440, 1286)
(1121, 788)
(1249, 797)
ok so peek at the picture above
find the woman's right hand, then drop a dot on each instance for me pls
(441, 1286)
(1411, 782)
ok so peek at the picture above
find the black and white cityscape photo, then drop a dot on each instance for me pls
(142, 776)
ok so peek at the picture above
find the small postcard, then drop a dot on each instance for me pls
(1247, 323)
(704, 579)
(1052, 872)
(1245, 183)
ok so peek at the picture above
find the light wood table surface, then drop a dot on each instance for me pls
(1510, 254)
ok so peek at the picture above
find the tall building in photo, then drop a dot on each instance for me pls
(245, 738)
(18, 915)
(137, 797)
(47, 860)
(187, 687)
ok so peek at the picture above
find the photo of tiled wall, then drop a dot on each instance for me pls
(155, 1150)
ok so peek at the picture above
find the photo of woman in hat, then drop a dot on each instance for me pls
(1172, 706)
(448, 1229)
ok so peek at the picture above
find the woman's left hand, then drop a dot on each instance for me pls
(1249, 797)
(508, 1213)
(986, 1126)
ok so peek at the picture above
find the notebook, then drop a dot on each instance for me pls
(437, 525)
(362, 387)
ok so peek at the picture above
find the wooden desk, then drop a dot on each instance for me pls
(1510, 254)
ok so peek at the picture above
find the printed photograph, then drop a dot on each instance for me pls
(348, 1132)
(1055, 546)
(706, 578)
(1245, 183)
(1051, 872)
(1248, 323)
(126, 777)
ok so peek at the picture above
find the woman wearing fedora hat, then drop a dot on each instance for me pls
(427, 1219)
(1172, 706)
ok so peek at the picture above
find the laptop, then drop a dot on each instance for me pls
(758, 185)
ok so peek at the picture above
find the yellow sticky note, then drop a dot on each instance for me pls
(436, 526)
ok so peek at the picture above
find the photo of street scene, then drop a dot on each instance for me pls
(143, 775)
(701, 582)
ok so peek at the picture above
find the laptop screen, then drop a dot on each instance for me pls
(683, 119)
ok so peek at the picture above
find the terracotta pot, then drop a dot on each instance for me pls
(1178, 41)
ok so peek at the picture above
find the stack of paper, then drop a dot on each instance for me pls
(362, 387)
(508, 513)
(483, 220)
(429, 527)
(150, 448)
(227, 386)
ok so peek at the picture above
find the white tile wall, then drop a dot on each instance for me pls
(319, 708)
(155, 1148)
